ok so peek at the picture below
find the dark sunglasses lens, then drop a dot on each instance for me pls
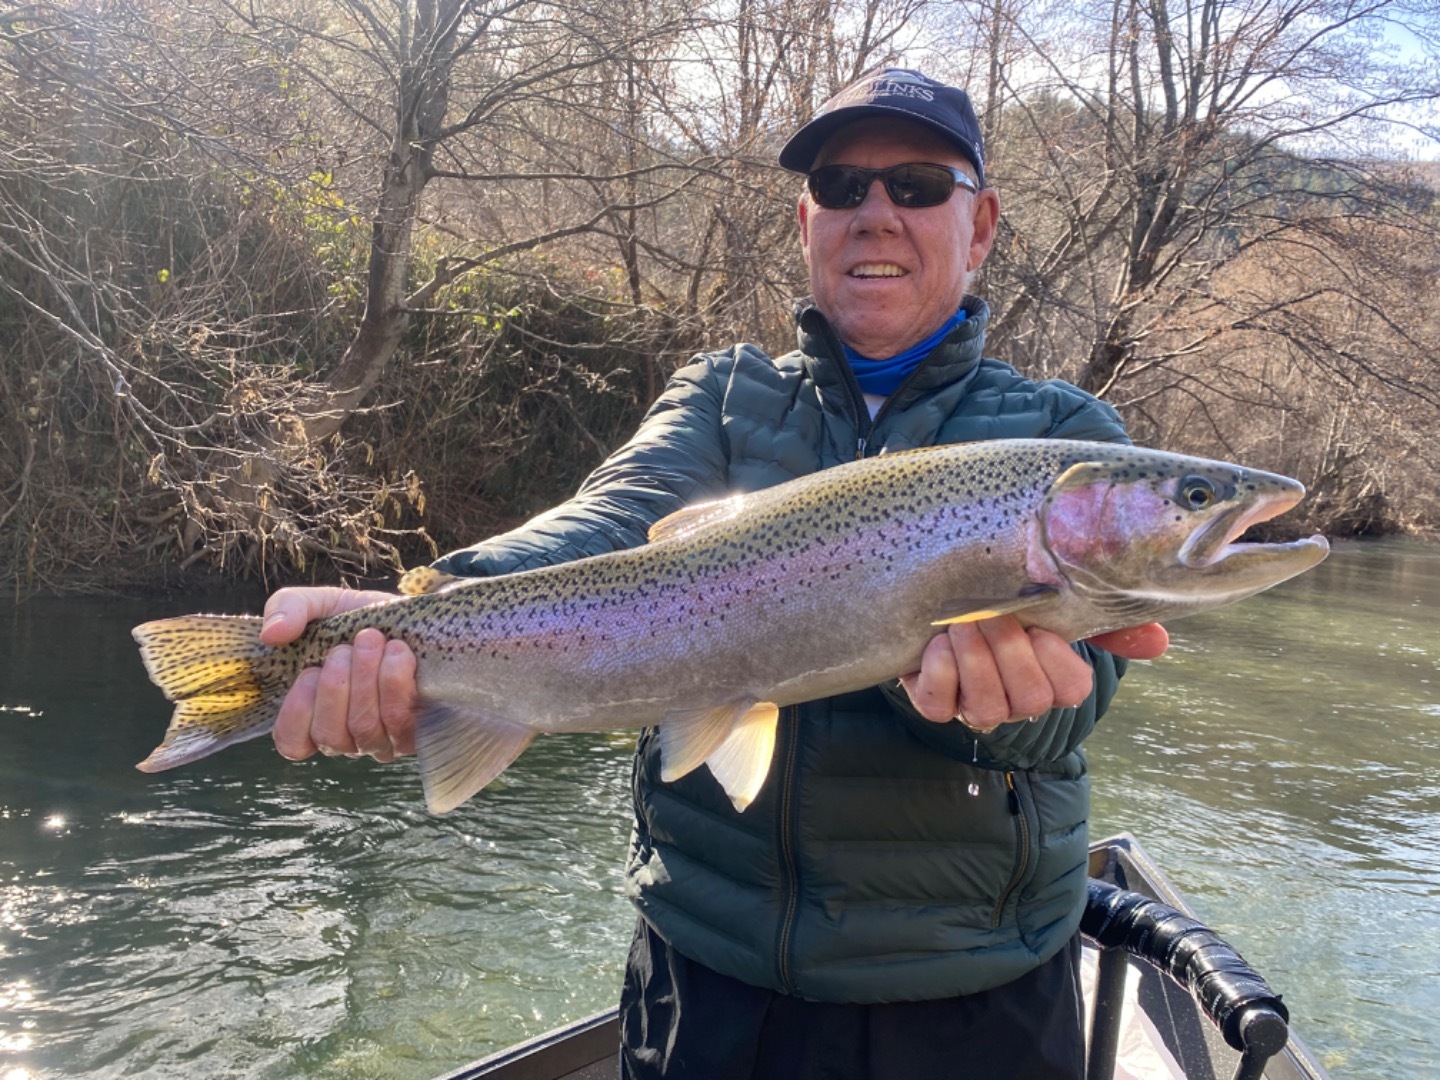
(919, 185)
(839, 187)
(843, 187)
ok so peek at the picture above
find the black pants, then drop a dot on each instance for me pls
(680, 1019)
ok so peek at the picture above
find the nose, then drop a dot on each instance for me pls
(876, 213)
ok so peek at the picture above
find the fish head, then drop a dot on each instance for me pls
(1143, 534)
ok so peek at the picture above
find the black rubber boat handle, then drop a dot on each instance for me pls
(1248, 1013)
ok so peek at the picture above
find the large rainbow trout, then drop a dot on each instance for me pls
(824, 585)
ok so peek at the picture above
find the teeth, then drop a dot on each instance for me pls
(877, 270)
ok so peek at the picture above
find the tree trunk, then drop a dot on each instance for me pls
(422, 99)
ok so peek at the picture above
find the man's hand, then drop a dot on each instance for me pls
(360, 700)
(993, 671)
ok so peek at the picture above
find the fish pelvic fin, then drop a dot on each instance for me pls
(963, 611)
(736, 740)
(461, 749)
(742, 761)
(689, 736)
(226, 686)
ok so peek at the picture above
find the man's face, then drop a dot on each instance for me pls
(885, 276)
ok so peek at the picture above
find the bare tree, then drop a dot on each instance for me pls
(257, 95)
(1145, 145)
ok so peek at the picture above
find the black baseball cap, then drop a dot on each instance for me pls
(892, 92)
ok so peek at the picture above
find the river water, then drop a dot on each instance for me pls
(246, 917)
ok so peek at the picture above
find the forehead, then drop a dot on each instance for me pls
(876, 140)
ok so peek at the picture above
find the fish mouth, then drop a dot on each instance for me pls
(1216, 542)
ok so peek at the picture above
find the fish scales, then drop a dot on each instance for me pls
(823, 585)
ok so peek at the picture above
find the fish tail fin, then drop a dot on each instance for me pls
(227, 687)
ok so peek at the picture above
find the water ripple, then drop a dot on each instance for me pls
(245, 917)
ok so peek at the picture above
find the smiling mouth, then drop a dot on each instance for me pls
(878, 270)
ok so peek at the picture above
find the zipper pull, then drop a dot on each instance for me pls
(1011, 794)
(860, 448)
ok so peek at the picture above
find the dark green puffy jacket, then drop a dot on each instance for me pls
(887, 858)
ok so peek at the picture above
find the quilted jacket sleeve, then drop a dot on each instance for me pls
(677, 457)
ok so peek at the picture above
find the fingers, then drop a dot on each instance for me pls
(329, 725)
(987, 656)
(995, 671)
(287, 611)
(397, 696)
(292, 725)
(360, 700)
(379, 701)
(363, 727)
(1070, 674)
(935, 689)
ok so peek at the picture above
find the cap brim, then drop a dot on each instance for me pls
(798, 155)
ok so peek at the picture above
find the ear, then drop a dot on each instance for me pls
(986, 222)
(802, 212)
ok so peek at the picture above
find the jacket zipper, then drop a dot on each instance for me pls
(788, 871)
(642, 825)
(1022, 836)
(864, 423)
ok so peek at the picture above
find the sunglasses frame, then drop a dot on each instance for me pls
(959, 178)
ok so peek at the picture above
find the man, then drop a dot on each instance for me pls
(903, 897)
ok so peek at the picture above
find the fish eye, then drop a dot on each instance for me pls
(1196, 493)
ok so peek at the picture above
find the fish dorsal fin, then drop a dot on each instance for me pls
(689, 736)
(742, 762)
(461, 750)
(695, 517)
(419, 580)
(973, 610)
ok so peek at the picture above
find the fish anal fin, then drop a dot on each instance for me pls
(461, 749)
(742, 761)
(973, 610)
(689, 736)
(695, 517)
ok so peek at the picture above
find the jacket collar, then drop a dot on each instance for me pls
(952, 359)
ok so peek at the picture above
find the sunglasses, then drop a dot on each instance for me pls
(844, 187)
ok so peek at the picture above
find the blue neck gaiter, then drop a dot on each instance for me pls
(883, 377)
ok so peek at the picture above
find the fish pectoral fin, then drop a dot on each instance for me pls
(694, 517)
(742, 762)
(461, 750)
(689, 736)
(963, 611)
